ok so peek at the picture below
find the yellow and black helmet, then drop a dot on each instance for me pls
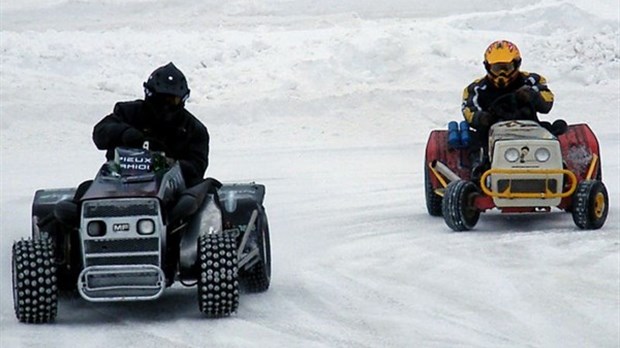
(502, 60)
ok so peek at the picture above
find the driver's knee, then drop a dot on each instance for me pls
(81, 190)
(67, 212)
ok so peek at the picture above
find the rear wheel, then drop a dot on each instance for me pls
(218, 285)
(458, 208)
(433, 200)
(35, 290)
(590, 205)
(258, 277)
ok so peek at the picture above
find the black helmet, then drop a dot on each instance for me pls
(168, 80)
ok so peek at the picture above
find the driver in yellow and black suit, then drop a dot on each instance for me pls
(502, 60)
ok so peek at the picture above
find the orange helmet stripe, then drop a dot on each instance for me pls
(501, 51)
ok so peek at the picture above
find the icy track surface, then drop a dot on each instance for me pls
(329, 104)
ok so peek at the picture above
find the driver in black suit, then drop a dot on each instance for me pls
(162, 119)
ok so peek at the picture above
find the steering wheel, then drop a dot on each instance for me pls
(509, 108)
(155, 145)
(159, 152)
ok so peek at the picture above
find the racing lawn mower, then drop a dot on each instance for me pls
(527, 167)
(133, 231)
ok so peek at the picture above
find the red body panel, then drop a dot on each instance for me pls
(579, 145)
(457, 160)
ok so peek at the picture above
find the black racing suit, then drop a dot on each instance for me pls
(185, 139)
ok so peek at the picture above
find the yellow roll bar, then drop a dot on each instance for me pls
(592, 166)
(532, 195)
(442, 181)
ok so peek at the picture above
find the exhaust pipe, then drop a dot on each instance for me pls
(442, 169)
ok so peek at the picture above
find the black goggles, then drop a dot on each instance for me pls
(166, 99)
(502, 68)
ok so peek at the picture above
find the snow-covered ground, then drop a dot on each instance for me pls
(329, 104)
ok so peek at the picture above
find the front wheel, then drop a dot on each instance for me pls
(590, 205)
(35, 289)
(458, 208)
(218, 284)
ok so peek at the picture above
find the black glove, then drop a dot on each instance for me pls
(559, 127)
(483, 119)
(132, 137)
(525, 94)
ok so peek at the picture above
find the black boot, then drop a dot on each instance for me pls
(479, 164)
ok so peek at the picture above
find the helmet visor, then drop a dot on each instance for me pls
(165, 99)
(502, 69)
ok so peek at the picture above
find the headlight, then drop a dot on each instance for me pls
(96, 228)
(542, 155)
(146, 226)
(511, 155)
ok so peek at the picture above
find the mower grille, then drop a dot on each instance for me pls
(528, 185)
(95, 246)
(122, 252)
(124, 260)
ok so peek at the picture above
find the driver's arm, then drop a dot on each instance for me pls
(471, 109)
(542, 97)
(107, 134)
(195, 159)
